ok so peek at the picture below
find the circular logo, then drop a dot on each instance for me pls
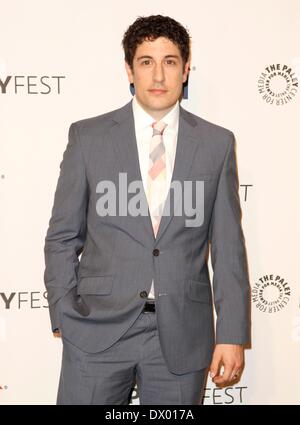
(278, 84)
(270, 294)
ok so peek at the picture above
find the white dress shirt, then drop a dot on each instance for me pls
(143, 132)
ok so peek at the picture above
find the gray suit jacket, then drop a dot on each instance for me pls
(95, 297)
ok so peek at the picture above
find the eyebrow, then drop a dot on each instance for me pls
(150, 57)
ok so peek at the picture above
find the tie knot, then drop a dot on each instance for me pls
(158, 127)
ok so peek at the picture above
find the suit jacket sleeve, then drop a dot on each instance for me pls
(228, 256)
(67, 227)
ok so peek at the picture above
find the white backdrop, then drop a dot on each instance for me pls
(65, 63)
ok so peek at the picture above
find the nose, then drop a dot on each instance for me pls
(158, 73)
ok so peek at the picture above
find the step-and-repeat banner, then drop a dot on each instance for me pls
(63, 61)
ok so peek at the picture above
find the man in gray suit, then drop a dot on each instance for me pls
(138, 305)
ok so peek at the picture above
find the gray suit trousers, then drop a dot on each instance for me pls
(107, 378)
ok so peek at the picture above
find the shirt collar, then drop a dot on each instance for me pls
(143, 119)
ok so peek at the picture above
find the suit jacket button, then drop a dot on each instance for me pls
(156, 252)
(143, 294)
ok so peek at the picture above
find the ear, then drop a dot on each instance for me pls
(186, 71)
(129, 72)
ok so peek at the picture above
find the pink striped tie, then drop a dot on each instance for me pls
(156, 185)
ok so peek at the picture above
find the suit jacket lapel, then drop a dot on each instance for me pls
(185, 153)
(124, 141)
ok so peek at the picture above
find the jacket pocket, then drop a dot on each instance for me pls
(95, 285)
(199, 291)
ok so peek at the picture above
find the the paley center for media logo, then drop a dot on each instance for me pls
(271, 293)
(278, 84)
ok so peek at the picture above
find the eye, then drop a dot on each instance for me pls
(146, 62)
(170, 61)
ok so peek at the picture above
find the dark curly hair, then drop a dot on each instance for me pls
(152, 27)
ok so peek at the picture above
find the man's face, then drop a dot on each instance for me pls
(157, 75)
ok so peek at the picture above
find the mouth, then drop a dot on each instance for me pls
(157, 91)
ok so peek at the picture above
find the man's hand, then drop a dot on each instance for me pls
(231, 357)
(57, 333)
